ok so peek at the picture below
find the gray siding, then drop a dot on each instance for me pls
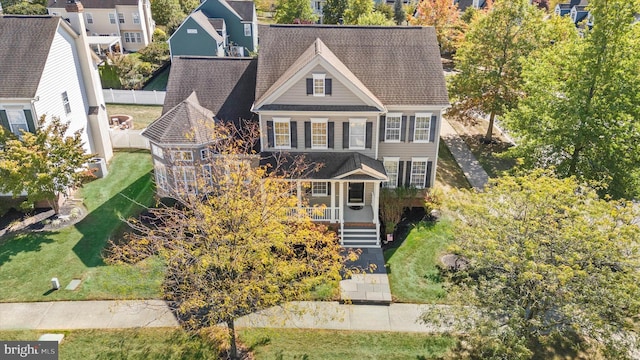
(297, 94)
(408, 149)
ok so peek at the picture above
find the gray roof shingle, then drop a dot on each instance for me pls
(94, 4)
(204, 22)
(326, 165)
(399, 65)
(186, 123)
(225, 85)
(25, 42)
(244, 8)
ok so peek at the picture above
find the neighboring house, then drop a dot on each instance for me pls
(464, 4)
(364, 102)
(318, 7)
(127, 22)
(47, 68)
(576, 10)
(217, 28)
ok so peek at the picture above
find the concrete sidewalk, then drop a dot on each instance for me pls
(66, 315)
(472, 169)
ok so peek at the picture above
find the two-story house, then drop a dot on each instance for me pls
(362, 102)
(576, 10)
(217, 28)
(128, 20)
(47, 68)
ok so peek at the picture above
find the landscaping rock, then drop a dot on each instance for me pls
(452, 262)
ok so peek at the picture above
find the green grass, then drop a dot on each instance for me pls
(449, 174)
(413, 275)
(159, 82)
(143, 115)
(147, 343)
(339, 345)
(29, 260)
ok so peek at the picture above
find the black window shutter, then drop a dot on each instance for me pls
(403, 128)
(327, 86)
(427, 180)
(328, 188)
(412, 127)
(4, 120)
(330, 130)
(294, 134)
(369, 134)
(400, 173)
(30, 124)
(309, 86)
(345, 135)
(407, 182)
(307, 134)
(432, 129)
(381, 134)
(270, 132)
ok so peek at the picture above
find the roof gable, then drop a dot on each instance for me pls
(384, 59)
(201, 19)
(319, 54)
(24, 47)
(186, 123)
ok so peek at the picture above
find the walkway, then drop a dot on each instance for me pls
(371, 286)
(472, 169)
(66, 315)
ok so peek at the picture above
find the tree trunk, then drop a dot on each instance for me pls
(55, 205)
(488, 138)
(233, 351)
(574, 161)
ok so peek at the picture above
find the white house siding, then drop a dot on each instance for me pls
(340, 94)
(62, 73)
(338, 133)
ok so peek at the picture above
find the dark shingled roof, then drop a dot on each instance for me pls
(225, 85)
(399, 65)
(330, 164)
(244, 8)
(25, 42)
(94, 4)
(281, 107)
(186, 123)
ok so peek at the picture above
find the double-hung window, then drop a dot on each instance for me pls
(182, 156)
(319, 133)
(357, 134)
(112, 18)
(121, 18)
(185, 178)
(247, 29)
(421, 130)
(161, 175)
(17, 121)
(393, 125)
(318, 84)
(136, 18)
(282, 133)
(65, 103)
(418, 172)
(207, 174)
(391, 167)
(319, 188)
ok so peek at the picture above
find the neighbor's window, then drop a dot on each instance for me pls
(393, 125)
(421, 130)
(318, 133)
(89, 17)
(161, 175)
(281, 133)
(247, 29)
(136, 18)
(65, 103)
(157, 151)
(112, 18)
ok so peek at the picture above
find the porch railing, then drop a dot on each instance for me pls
(315, 213)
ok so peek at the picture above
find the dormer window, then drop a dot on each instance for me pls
(319, 85)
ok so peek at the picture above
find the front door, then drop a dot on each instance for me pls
(356, 193)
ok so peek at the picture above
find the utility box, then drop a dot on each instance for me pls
(99, 167)
(55, 284)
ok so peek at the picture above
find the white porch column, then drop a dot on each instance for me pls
(341, 202)
(375, 203)
(333, 201)
(299, 192)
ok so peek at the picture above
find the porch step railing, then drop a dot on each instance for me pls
(316, 213)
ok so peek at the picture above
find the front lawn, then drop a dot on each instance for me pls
(413, 275)
(339, 345)
(29, 260)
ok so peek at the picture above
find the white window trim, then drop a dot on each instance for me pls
(136, 18)
(175, 152)
(385, 159)
(386, 127)
(415, 123)
(182, 184)
(157, 151)
(425, 160)
(324, 121)
(364, 124)
(192, 31)
(89, 17)
(66, 104)
(207, 174)
(121, 19)
(23, 120)
(324, 84)
(319, 194)
(204, 154)
(247, 27)
(281, 120)
(112, 19)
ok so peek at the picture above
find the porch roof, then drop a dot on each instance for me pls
(329, 165)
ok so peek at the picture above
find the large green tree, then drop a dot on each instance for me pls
(374, 18)
(582, 106)
(489, 60)
(398, 12)
(357, 8)
(26, 8)
(44, 164)
(164, 11)
(236, 248)
(333, 11)
(292, 11)
(546, 260)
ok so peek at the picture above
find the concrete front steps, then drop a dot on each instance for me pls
(360, 236)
